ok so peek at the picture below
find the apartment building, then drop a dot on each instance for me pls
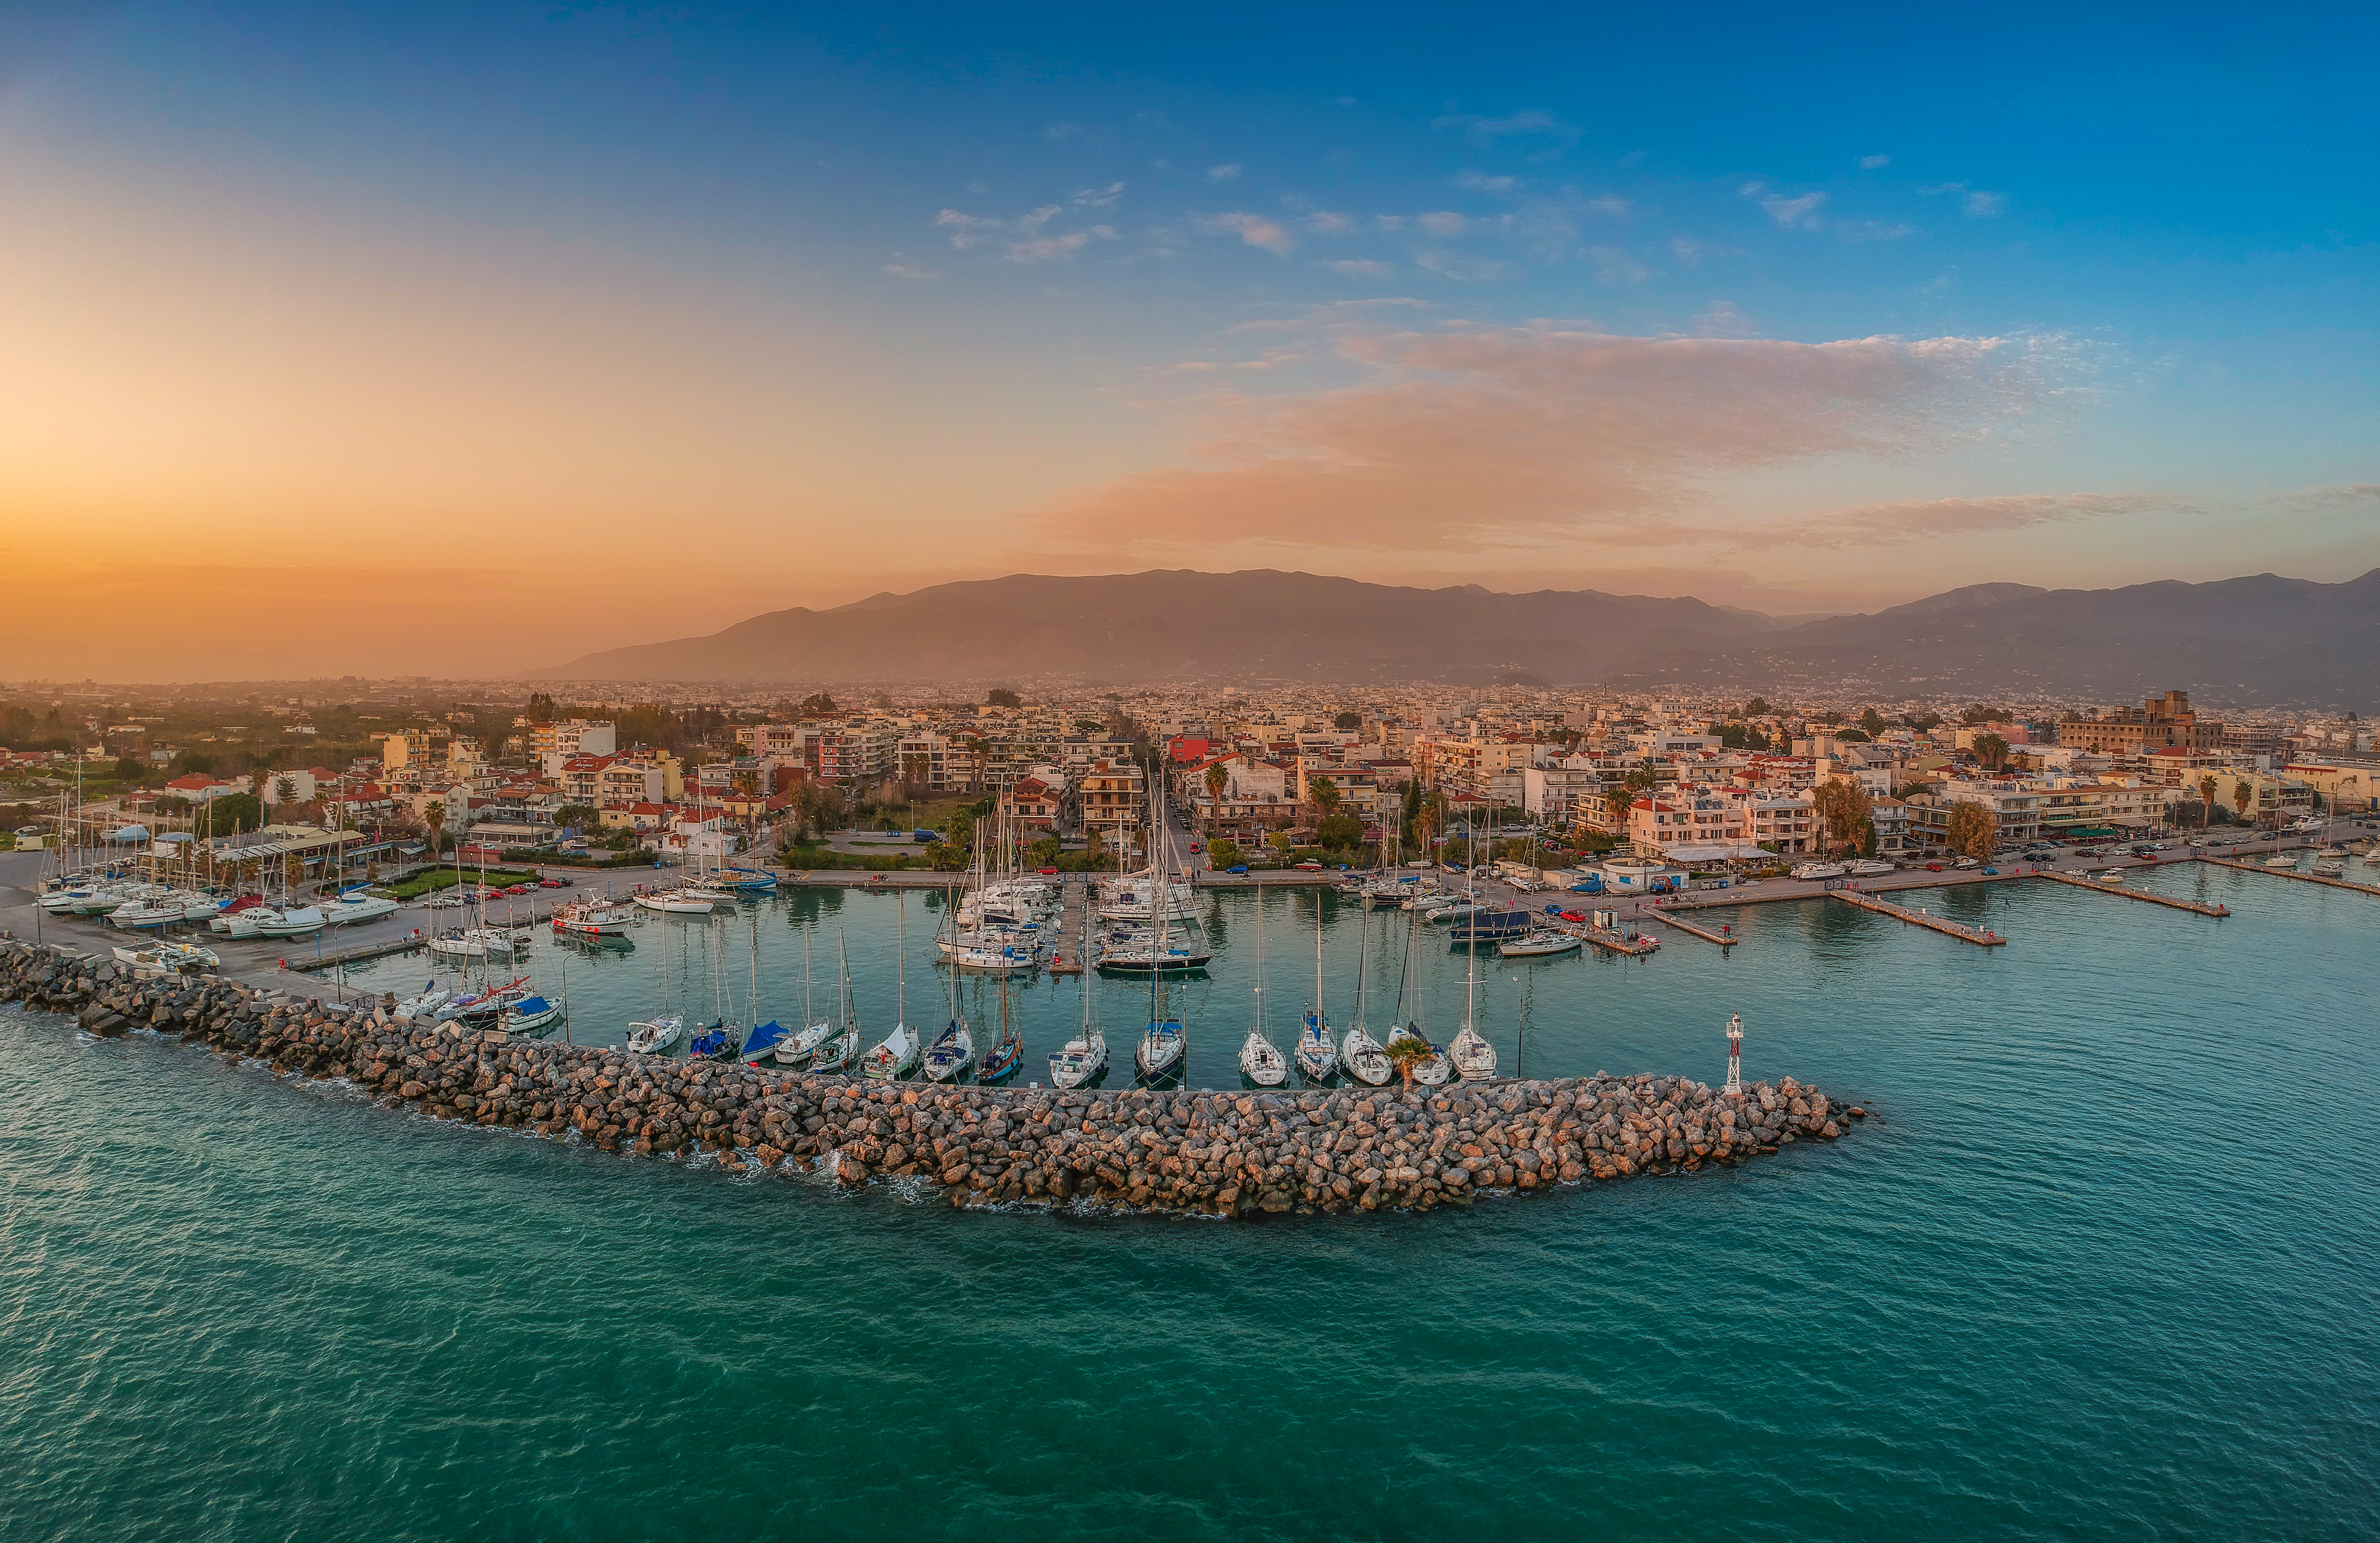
(552, 744)
(1111, 798)
(2158, 723)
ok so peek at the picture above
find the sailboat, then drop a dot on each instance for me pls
(840, 1051)
(1434, 1071)
(1007, 1052)
(1316, 1061)
(1361, 1055)
(1084, 1057)
(1473, 1056)
(801, 1047)
(663, 1032)
(1261, 1060)
(953, 1052)
(1164, 1048)
(895, 1055)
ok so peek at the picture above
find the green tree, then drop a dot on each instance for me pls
(1992, 751)
(1347, 723)
(541, 709)
(1844, 807)
(582, 817)
(817, 704)
(2242, 794)
(2205, 800)
(1974, 829)
(434, 816)
(1339, 832)
(1979, 713)
(129, 770)
(1923, 721)
(1326, 795)
(234, 812)
(1001, 696)
(1407, 1055)
(1219, 777)
(1758, 708)
(1873, 722)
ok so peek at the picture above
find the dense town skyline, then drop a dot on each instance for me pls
(349, 332)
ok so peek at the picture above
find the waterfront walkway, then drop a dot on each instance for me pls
(1980, 937)
(2293, 873)
(2080, 883)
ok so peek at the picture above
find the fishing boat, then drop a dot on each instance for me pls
(1083, 1059)
(531, 1016)
(1539, 943)
(745, 880)
(591, 919)
(1261, 1060)
(657, 1036)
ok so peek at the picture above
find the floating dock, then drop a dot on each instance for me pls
(361, 952)
(2292, 873)
(1613, 942)
(1724, 940)
(1980, 937)
(2194, 907)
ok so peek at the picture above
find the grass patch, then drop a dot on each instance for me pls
(826, 857)
(431, 880)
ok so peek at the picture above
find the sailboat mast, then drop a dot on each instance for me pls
(901, 959)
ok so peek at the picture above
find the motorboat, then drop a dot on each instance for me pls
(2282, 859)
(1364, 1060)
(531, 1016)
(681, 903)
(1460, 910)
(1539, 943)
(356, 906)
(746, 881)
(838, 1053)
(2113, 875)
(139, 915)
(2328, 869)
(486, 1006)
(893, 1057)
(288, 921)
(948, 1058)
(657, 1036)
(1868, 867)
(1152, 957)
(171, 957)
(473, 942)
(232, 910)
(431, 999)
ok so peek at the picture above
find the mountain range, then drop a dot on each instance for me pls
(2258, 638)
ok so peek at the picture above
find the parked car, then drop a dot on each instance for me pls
(1310, 864)
(1241, 868)
(1932, 868)
(1992, 872)
(1197, 847)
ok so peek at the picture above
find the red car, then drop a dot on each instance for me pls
(549, 883)
(1932, 868)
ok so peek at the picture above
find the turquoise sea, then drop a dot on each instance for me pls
(2103, 1268)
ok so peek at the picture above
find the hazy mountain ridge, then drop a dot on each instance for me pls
(2260, 638)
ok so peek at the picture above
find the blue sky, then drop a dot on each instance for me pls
(1789, 311)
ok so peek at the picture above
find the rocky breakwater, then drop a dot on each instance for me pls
(1219, 1152)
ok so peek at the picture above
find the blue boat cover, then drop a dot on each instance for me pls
(763, 1037)
(528, 1005)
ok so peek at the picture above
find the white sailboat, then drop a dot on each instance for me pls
(953, 1052)
(839, 1052)
(801, 1047)
(1084, 1057)
(1164, 1049)
(1318, 1061)
(1261, 1060)
(1473, 1056)
(664, 1031)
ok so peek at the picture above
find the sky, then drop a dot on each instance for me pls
(387, 339)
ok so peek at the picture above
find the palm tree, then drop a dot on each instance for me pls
(1406, 1054)
(2242, 795)
(435, 818)
(2205, 800)
(1218, 778)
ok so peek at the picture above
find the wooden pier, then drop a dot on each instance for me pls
(2292, 873)
(1614, 942)
(1979, 936)
(361, 952)
(1724, 940)
(2193, 907)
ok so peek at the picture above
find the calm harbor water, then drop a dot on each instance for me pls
(2103, 1269)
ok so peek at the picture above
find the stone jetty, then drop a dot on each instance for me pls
(1222, 1152)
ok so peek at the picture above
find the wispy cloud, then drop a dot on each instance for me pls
(1531, 125)
(1360, 268)
(1523, 435)
(1611, 206)
(1026, 237)
(1613, 265)
(1983, 206)
(1872, 524)
(1461, 269)
(1875, 162)
(1443, 222)
(1801, 213)
(1720, 318)
(1324, 222)
(1098, 197)
(1858, 230)
(1228, 172)
(1480, 182)
(908, 270)
(2319, 501)
(1691, 252)
(1254, 229)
